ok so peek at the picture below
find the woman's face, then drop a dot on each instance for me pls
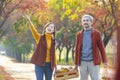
(50, 28)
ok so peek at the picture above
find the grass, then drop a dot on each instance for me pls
(1, 77)
(110, 57)
(62, 62)
(63, 54)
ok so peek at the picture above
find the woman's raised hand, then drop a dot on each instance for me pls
(28, 17)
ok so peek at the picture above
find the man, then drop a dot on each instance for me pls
(87, 48)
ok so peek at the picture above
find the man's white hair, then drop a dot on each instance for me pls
(88, 16)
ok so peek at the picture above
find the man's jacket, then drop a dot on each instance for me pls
(97, 48)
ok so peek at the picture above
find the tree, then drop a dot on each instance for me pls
(66, 15)
(118, 40)
(118, 54)
(7, 7)
(105, 16)
(19, 42)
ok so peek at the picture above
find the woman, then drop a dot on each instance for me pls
(44, 56)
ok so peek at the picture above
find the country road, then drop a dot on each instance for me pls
(25, 71)
(19, 71)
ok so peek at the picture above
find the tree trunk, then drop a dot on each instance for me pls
(118, 54)
(23, 58)
(106, 39)
(1, 6)
(73, 53)
(67, 54)
(60, 51)
(19, 57)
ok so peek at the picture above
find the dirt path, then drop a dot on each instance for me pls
(19, 71)
(25, 71)
(5, 75)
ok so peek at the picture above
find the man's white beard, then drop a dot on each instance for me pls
(86, 26)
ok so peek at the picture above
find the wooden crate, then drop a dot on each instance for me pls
(107, 78)
(66, 75)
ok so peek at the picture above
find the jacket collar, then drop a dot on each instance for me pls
(93, 30)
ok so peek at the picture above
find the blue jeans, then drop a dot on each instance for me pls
(41, 70)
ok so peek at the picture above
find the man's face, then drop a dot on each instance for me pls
(86, 22)
(50, 28)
